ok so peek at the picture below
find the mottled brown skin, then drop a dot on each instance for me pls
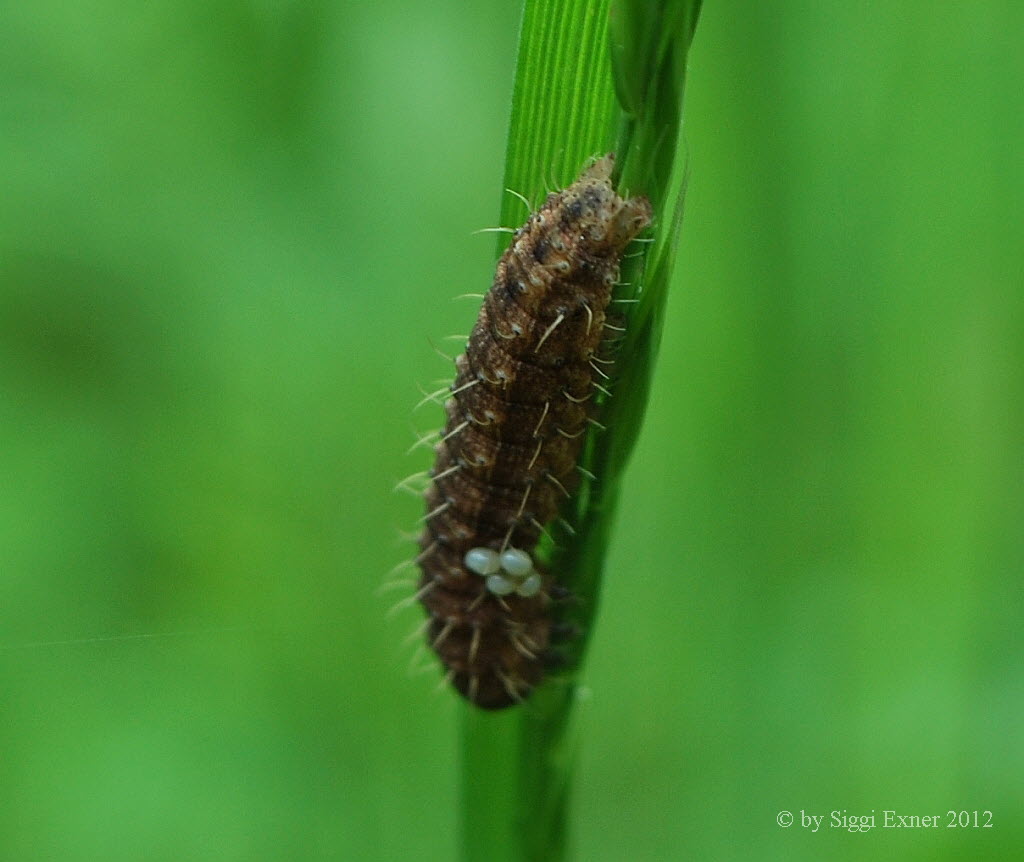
(515, 427)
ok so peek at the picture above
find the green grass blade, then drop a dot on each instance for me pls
(592, 76)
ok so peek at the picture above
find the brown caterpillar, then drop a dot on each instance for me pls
(516, 418)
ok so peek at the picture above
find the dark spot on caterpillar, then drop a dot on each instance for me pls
(506, 460)
(513, 287)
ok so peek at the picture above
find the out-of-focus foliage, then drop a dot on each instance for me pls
(227, 231)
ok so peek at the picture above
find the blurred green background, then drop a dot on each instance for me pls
(227, 231)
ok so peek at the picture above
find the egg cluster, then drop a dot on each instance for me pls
(510, 571)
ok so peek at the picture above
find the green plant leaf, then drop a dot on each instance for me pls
(592, 76)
